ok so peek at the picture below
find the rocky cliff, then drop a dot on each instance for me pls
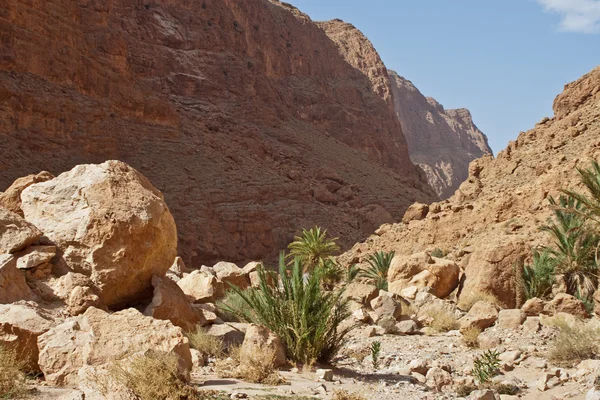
(243, 113)
(442, 142)
(492, 221)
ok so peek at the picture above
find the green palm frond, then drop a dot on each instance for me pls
(539, 277)
(379, 265)
(312, 247)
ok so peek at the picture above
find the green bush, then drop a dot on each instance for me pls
(379, 265)
(352, 272)
(574, 341)
(485, 367)
(538, 277)
(332, 272)
(306, 317)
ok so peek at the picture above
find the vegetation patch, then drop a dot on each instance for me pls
(12, 380)
(205, 343)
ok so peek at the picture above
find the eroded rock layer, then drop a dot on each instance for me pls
(243, 113)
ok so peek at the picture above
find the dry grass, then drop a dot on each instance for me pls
(574, 341)
(442, 320)
(256, 369)
(153, 376)
(205, 343)
(467, 300)
(470, 336)
(12, 380)
(346, 395)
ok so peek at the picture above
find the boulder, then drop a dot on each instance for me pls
(437, 378)
(408, 327)
(11, 198)
(534, 307)
(385, 305)
(229, 334)
(82, 298)
(403, 268)
(231, 274)
(35, 256)
(201, 287)
(260, 339)
(482, 315)
(485, 394)
(15, 232)
(325, 374)
(420, 270)
(565, 303)
(170, 303)
(109, 223)
(490, 269)
(415, 212)
(13, 286)
(20, 325)
(361, 292)
(178, 268)
(510, 319)
(98, 338)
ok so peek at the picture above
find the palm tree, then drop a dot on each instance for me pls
(590, 203)
(575, 242)
(379, 264)
(312, 248)
(538, 277)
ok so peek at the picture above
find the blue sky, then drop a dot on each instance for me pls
(505, 60)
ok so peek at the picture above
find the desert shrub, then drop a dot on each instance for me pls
(575, 243)
(312, 248)
(470, 336)
(465, 390)
(12, 380)
(379, 265)
(574, 341)
(467, 300)
(375, 352)
(538, 277)
(438, 253)
(346, 395)
(441, 319)
(205, 343)
(256, 369)
(485, 366)
(153, 376)
(304, 315)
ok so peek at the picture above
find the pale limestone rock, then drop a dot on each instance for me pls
(11, 198)
(20, 325)
(201, 287)
(97, 338)
(260, 339)
(109, 223)
(16, 233)
(511, 319)
(13, 286)
(482, 315)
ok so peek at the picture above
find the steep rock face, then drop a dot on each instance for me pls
(442, 142)
(493, 219)
(233, 109)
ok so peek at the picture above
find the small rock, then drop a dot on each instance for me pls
(408, 327)
(511, 319)
(532, 324)
(438, 378)
(482, 395)
(325, 375)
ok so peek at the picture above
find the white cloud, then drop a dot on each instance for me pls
(577, 15)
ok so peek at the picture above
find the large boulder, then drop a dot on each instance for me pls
(98, 338)
(15, 232)
(20, 325)
(490, 269)
(386, 306)
(260, 339)
(13, 286)
(231, 274)
(482, 315)
(109, 223)
(170, 303)
(534, 307)
(565, 303)
(420, 270)
(360, 292)
(11, 198)
(201, 287)
(415, 212)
